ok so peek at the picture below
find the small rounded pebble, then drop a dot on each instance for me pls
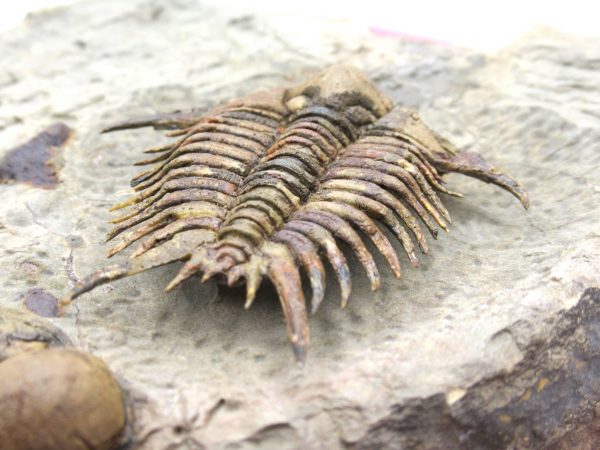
(59, 399)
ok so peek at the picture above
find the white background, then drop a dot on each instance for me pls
(480, 25)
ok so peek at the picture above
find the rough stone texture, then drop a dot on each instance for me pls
(22, 331)
(491, 344)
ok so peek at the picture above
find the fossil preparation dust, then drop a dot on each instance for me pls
(266, 186)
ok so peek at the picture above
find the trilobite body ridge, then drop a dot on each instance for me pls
(268, 185)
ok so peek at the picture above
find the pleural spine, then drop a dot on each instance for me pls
(193, 180)
(182, 200)
(377, 178)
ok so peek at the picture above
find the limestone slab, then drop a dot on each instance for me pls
(469, 351)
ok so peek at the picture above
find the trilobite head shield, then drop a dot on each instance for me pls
(342, 88)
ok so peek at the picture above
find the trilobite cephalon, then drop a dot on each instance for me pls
(266, 186)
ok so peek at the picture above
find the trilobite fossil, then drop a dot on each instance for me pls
(266, 186)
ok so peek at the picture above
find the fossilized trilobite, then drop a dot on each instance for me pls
(267, 185)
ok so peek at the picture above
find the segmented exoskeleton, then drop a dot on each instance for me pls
(267, 185)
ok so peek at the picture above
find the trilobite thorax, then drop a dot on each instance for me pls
(326, 114)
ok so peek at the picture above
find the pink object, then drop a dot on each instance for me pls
(385, 33)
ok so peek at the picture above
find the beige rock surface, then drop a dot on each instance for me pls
(454, 355)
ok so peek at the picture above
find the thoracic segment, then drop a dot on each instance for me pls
(195, 179)
(284, 178)
(268, 185)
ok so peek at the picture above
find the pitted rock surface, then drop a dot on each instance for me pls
(457, 354)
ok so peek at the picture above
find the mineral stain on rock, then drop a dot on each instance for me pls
(41, 302)
(37, 162)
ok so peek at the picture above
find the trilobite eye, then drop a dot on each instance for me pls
(297, 103)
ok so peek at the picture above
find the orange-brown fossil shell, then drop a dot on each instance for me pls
(268, 185)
